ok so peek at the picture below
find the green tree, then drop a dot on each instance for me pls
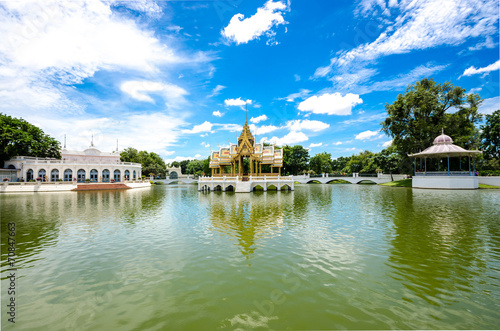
(19, 137)
(340, 163)
(418, 116)
(390, 162)
(490, 136)
(363, 162)
(321, 163)
(295, 159)
(151, 163)
(206, 166)
(195, 167)
(175, 164)
(183, 164)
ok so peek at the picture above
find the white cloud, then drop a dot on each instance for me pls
(241, 30)
(140, 89)
(292, 137)
(180, 158)
(315, 145)
(297, 77)
(387, 143)
(490, 105)
(204, 144)
(216, 91)
(204, 127)
(364, 119)
(299, 95)
(338, 143)
(217, 113)
(473, 71)
(475, 90)
(258, 119)
(368, 135)
(418, 25)
(197, 156)
(331, 104)
(313, 125)
(237, 102)
(263, 129)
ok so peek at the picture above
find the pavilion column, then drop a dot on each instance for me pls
(415, 166)
(279, 173)
(212, 172)
(425, 165)
(469, 165)
(448, 165)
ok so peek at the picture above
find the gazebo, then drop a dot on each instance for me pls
(448, 178)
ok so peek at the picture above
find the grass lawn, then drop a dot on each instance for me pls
(488, 186)
(399, 183)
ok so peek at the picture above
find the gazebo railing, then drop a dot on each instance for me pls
(444, 173)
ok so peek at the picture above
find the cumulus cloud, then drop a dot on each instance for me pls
(263, 129)
(473, 71)
(237, 102)
(292, 137)
(387, 143)
(204, 127)
(139, 90)
(331, 104)
(368, 135)
(315, 145)
(488, 106)
(258, 119)
(312, 125)
(241, 30)
(217, 113)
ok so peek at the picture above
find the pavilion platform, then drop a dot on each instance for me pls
(245, 184)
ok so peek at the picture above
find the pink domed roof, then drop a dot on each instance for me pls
(443, 139)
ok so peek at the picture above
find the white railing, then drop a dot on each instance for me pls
(444, 173)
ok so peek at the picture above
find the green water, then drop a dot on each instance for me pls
(321, 257)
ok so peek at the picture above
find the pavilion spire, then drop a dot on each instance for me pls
(92, 141)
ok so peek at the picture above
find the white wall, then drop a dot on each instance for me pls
(446, 182)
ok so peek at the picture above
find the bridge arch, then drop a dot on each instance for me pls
(257, 187)
(285, 187)
(366, 181)
(271, 186)
(343, 181)
(313, 181)
(229, 188)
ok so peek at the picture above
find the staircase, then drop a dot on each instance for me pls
(243, 187)
(91, 187)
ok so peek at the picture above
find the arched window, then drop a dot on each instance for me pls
(41, 174)
(68, 175)
(105, 176)
(80, 175)
(29, 175)
(93, 175)
(127, 175)
(54, 175)
(11, 166)
(134, 175)
(117, 175)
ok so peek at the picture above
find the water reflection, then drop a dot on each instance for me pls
(439, 247)
(248, 217)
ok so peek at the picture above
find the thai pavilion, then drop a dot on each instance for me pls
(230, 173)
(440, 166)
(229, 160)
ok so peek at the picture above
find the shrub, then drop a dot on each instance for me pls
(6, 180)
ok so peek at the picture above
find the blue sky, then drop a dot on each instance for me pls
(174, 77)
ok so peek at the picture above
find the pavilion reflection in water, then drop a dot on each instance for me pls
(248, 218)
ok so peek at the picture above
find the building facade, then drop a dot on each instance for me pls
(80, 166)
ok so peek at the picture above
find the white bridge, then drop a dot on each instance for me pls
(275, 182)
(244, 184)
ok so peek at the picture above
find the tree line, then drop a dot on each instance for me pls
(413, 120)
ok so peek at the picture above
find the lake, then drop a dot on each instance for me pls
(320, 257)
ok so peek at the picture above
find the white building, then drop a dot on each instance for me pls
(77, 166)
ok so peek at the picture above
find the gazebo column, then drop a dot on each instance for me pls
(425, 165)
(415, 166)
(469, 165)
(448, 165)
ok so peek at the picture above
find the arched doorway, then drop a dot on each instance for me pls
(68, 175)
(173, 175)
(41, 174)
(117, 175)
(105, 176)
(80, 175)
(29, 175)
(134, 175)
(54, 175)
(126, 175)
(93, 175)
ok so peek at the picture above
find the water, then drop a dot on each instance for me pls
(321, 257)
